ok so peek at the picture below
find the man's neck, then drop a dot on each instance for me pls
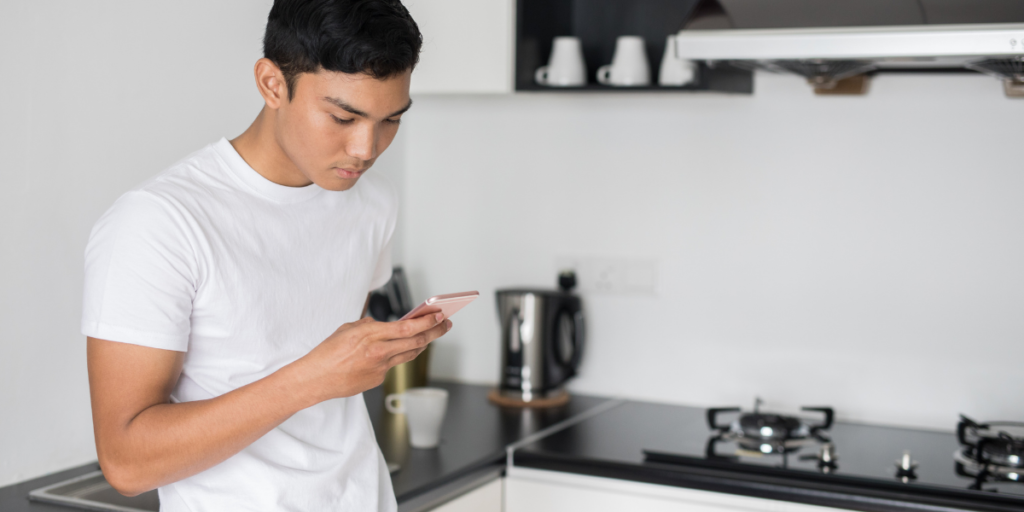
(259, 148)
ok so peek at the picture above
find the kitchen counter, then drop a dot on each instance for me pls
(607, 438)
(473, 440)
(612, 444)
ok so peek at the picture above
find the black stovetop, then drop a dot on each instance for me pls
(865, 452)
(866, 457)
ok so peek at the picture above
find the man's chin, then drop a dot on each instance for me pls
(337, 184)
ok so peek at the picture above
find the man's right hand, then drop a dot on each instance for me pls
(358, 355)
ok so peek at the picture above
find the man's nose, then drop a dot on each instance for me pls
(363, 142)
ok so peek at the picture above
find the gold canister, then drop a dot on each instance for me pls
(411, 374)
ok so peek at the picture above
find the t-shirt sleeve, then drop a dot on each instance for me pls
(140, 274)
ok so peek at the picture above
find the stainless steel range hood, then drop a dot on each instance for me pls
(836, 43)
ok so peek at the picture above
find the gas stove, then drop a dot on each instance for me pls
(987, 458)
(808, 456)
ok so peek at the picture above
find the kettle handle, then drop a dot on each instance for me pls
(577, 343)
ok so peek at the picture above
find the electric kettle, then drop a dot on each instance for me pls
(542, 335)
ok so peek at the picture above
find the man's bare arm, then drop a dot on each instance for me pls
(144, 441)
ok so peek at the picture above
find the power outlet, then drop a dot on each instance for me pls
(613, 275)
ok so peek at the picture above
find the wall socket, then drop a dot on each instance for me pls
(613, 275)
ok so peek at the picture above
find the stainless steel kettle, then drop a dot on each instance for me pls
(542, 335)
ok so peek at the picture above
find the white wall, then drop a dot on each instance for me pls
(97, 96)
(863, 252)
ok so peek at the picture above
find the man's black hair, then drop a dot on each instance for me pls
(375, 37)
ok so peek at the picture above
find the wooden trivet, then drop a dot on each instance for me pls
(496, 397)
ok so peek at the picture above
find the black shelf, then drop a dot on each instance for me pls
(597, 23)
(607, 88)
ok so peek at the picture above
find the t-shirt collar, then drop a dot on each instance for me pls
(260, 185)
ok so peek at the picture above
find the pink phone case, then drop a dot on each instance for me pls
(448, 304)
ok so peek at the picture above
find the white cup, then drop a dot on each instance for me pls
(675, 71)
(566, 67)
(424, 410)
(629, 66)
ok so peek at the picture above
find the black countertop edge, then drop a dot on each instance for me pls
(813, 480)
(444, 493)
(760, 486)
(487, 462)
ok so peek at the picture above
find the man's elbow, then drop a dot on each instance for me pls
(124, 478)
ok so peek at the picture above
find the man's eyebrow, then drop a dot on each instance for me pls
(349, 108)
(402, 110)
(345, 106)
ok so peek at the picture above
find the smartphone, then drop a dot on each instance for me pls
(448, 304)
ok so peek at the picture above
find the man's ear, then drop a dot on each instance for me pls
(271, 83)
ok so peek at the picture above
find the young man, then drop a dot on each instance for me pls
(215, 291)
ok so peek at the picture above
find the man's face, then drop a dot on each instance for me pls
(336, 125)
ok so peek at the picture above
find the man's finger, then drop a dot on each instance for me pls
(406, 356)
(420, 340)
(408, 328)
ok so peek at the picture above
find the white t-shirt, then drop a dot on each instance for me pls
(246, 276)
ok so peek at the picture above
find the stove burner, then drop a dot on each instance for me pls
(990, 452)
(1004, 450)
(763, 433)
(766, 426)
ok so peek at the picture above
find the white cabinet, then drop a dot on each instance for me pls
(531, 490)
(486, 498)
(468, 46)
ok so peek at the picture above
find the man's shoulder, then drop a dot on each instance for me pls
(169, 199)
(198, 173)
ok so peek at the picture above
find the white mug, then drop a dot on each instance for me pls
(424, 410)
(629, 66)
(566, 67)
(675, 71)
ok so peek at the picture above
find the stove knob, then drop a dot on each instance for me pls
(828, 453)
(906, 468)
(827, 458)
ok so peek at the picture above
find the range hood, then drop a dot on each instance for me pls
(837, 44)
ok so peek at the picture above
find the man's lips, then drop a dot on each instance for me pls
(348, 173)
